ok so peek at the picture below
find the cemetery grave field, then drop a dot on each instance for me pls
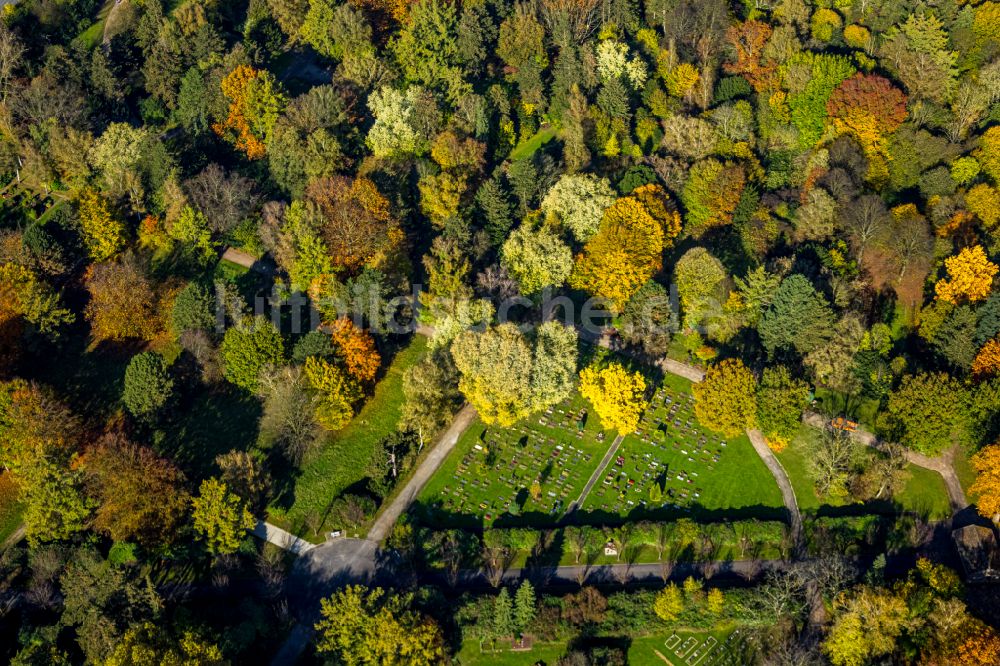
(696, 473)
(487, 480)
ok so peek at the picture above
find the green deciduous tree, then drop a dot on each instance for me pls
(55, 506)
(149, 643)
(101, 601)
(505, 379)
(711, 194)
(579, 202)
(917, 53)
(248, 348)
(866, 626)
(928, 413)
(536, 258)
(781, 399)
(700, 278)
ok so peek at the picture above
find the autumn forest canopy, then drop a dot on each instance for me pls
(796, 203)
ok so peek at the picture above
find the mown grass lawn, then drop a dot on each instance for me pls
(340, 464)
(528, 147)
(93, 35)
(795, 460)
(833, 403)
(925, 494)
(702, 474)
(965, 472)
(643, 650)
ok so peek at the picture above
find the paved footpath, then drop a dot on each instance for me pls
(383, 524)
(281, 538)
(612, 450)
(781, 477)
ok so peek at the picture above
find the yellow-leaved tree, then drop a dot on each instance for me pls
(970, 277)
(103, 233)
(987, 485)
(338, 392)
(624, 254)
(726, 400)
(374, 626)
(616, 394)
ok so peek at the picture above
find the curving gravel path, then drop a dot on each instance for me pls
(943, 465)
(781, 478)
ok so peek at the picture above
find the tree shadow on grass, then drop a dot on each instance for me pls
(89, 379)
(210, 422)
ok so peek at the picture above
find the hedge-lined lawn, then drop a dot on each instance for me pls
(642, 650)
(10, 508)
(701, 473)
(340, 464)
(487, 479)
(732, 541)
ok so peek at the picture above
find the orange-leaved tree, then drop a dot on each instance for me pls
(981, 648)
(356, 349)
(869, 108)
(987, 361)
(748, 40)
(255, 102)
(970, 277)
(357, 225)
